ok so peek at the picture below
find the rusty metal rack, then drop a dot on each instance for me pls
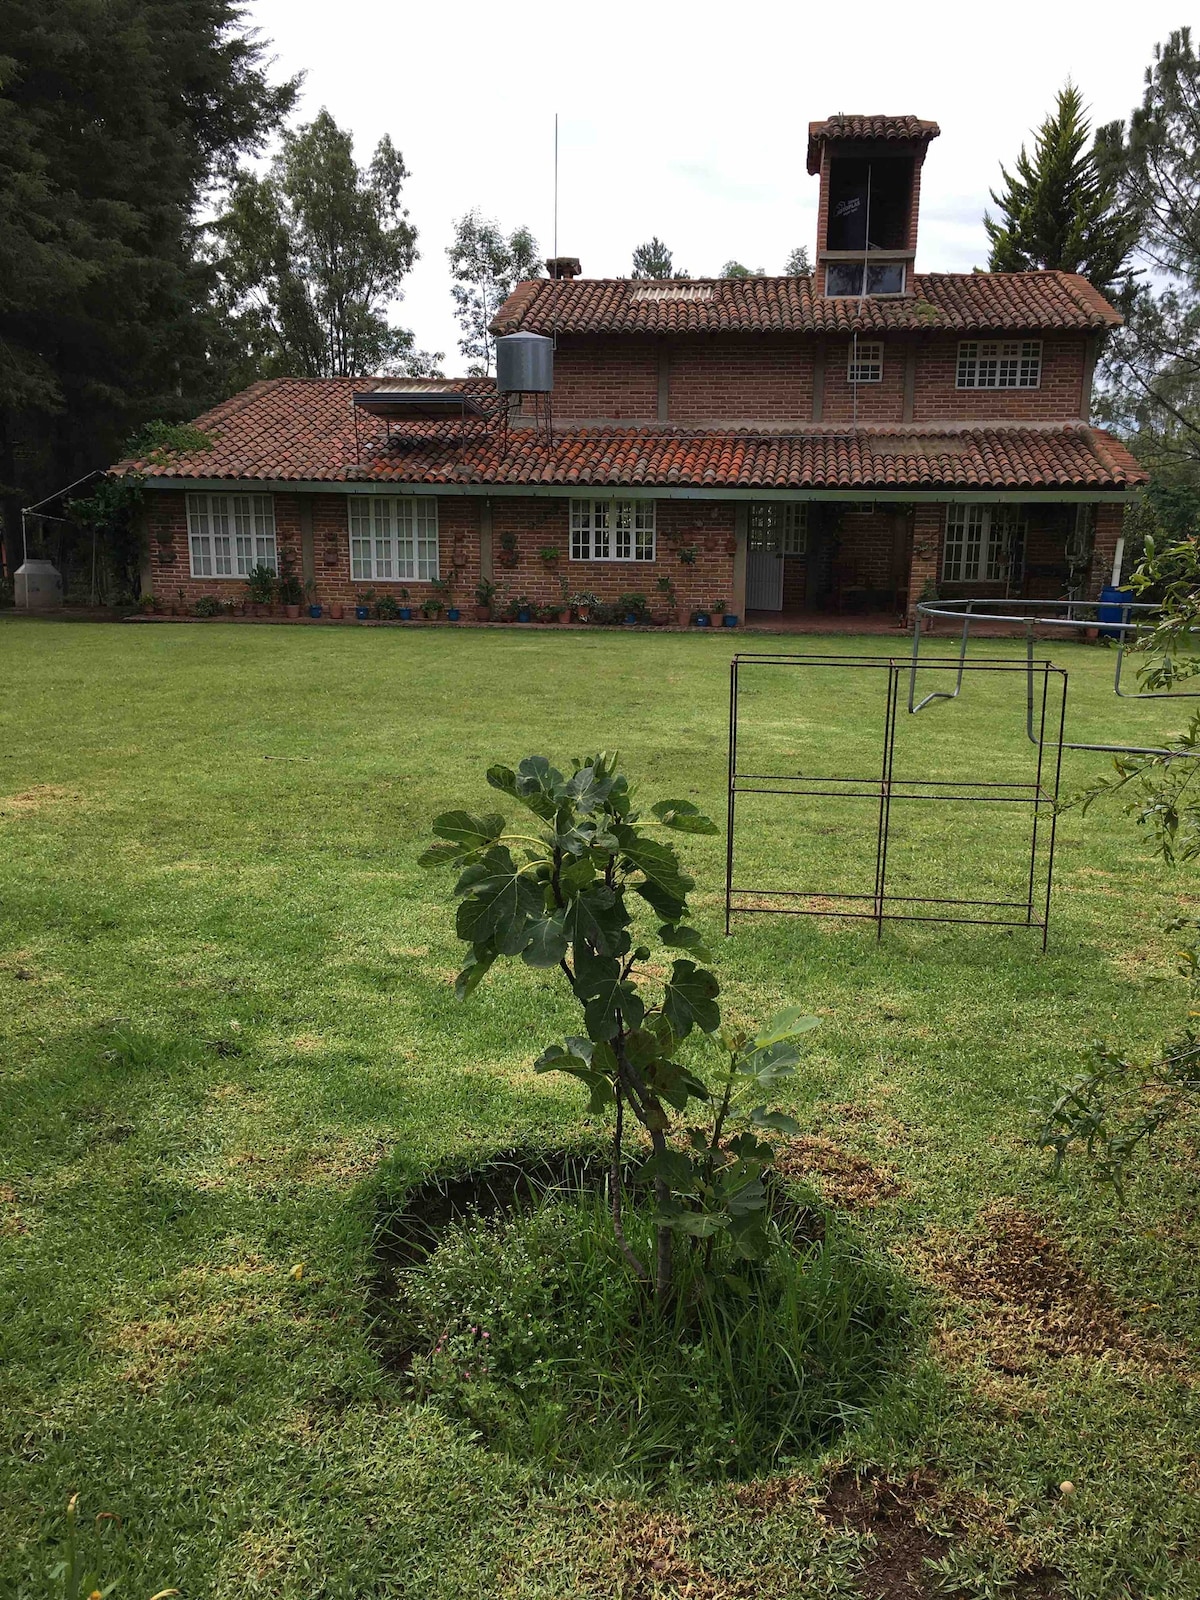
(889, 790)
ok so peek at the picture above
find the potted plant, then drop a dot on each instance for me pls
(485, 592)
(701, 619)
(363, 601)
(584, 605)
(260, 589)
(403, 606)
(509, 555)
(337, 611)
(548, 612)
(522, 608)
(208, 606)
(549, 554)
(688, 554)
(289, 588)
(929, 591)
(386, 608)
(431, 607)
(180, 609)
(444, 588)
(633, 607)
(564, 606)
(314, 605)
(720, 609)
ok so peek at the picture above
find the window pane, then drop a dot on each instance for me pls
(201, 558)
(622, 511)
(886, 278)
(360, 538)
(601, 531)
(844, 277)
(643, 530)
(425, 533)
(581, 526)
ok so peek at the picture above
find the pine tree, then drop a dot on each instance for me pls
(653, 260)
(116, 121)
(1151, 366)
(1060, 207)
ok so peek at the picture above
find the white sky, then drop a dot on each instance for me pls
(689, 120)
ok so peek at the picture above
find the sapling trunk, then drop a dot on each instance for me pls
(618, 1192)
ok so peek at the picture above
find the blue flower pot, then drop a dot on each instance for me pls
(363, 613)
(453, 614)
(631, 619)
(314, 612)
(703, 621)
(524, 616)
(405, 613)
(729, 620)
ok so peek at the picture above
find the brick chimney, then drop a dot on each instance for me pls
(563, 267)
(870, 171)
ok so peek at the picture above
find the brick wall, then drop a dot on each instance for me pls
(768, 379)
(535, 524)
(530, 524)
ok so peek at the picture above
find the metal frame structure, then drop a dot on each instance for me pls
(889, 788)
(1064, 614)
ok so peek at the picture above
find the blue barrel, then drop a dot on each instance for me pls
(1113, 607)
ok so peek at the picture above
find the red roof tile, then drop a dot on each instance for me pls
(974, 302)
(840, 128)
(303, 430)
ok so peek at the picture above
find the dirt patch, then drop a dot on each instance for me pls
(651, 1555)
(846, 1179)
(893, 1517)
(1039, 1302)
(906, 1526)
(35, 799)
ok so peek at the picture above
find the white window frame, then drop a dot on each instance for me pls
(393, 538)
(229, 534)
(979, 543)
(780, 526)
(999, 364)
(864, 361)
(613, 530)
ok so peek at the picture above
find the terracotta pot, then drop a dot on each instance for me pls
(337, 612)
(292, 612)
(483, 613)
(259, 611)
(565, 614)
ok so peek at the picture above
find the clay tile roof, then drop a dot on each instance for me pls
(969, 302)
(303, 430)
(839, 129)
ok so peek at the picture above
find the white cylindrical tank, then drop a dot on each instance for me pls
(524, 364)
(37, 586)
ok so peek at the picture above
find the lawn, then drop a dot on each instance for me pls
(228, 1027)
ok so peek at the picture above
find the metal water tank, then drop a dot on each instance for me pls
(524, 364)
(37, 586)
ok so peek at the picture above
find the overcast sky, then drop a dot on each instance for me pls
(689, 119)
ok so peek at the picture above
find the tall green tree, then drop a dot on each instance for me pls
(310, 255)
(1151, 371)
(735, 269)
(117, 119)
(1060, 207)
(486, 266)
(653, 260)
(798, 264)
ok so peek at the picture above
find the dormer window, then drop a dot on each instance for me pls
(865, 364)
(1000, 364)
(862, 278)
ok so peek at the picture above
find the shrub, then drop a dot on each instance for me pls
(590, 858)
(208, 606)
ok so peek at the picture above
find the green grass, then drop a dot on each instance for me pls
(225, 1003)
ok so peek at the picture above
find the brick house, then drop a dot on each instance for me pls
(788, 445)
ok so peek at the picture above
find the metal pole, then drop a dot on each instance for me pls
(730, 816)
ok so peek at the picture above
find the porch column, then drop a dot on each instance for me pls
(1110, 519)
(741, 525)
(923, 568)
